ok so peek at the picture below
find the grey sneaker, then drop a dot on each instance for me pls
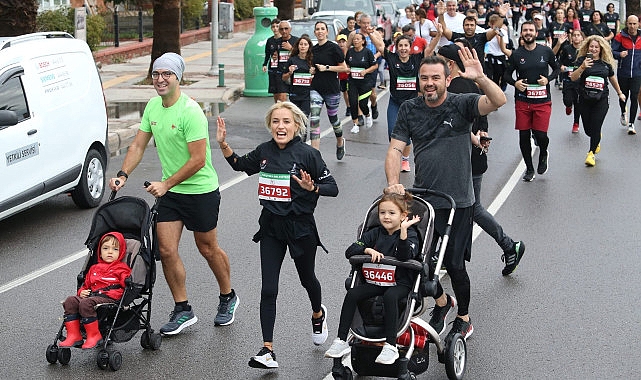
(388, 354)
(178, 320)
(338, 349)
(623, 120)
(226, 310)
(340, 151)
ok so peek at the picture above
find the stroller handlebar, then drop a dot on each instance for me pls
(408, 264)
(419, 191)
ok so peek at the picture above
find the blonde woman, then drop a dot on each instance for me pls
(595, 65)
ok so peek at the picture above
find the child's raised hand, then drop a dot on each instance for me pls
(408, 222)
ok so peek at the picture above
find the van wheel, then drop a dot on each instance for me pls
(91, 186)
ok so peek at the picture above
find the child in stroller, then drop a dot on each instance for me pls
(104, 283)
(394, 238)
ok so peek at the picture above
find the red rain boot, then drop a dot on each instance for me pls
(73, 333)
(93, 335)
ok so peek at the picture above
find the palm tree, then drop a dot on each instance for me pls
(166, 29)
(17, 17)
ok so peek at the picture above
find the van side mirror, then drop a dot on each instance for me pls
(8, 118)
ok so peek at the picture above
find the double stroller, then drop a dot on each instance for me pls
(119, 322)
(367, 335)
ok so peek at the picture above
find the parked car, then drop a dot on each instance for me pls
(53, 122)
(300, 27)
(341, 9)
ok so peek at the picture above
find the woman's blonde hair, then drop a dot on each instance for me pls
(300, 119)
(606, 51)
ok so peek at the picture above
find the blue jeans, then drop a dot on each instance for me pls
(485, 220)
(392, 115)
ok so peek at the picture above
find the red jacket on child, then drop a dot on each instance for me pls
(108, 279)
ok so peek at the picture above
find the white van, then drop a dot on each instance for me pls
(53, 122)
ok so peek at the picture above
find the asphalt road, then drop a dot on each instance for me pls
(569, 311)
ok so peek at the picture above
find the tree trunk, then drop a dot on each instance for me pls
(17, 17)
(285, 9)
(166, 29)
(632, 7)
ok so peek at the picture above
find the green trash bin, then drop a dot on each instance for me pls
(256, 81)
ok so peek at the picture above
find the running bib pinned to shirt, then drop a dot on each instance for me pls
(558, 33)
(283, 55)
(611, 24)
(357, 73)
(406, 84)
(536, 92)
(379, 274)
(594, 83)
(274, 187)
(537, 4)
(586, 18)
(302, 79)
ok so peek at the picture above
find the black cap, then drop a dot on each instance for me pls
(451, 52)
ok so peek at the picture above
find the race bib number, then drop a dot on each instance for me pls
(357, 73)
(283, 55)
(586, 18)
(302, 79)
(611, 24)
(405, 84)
(274, 187)
(528, 6)
(537, 4)
(516, 9)
(542, 42)
(273, 62)
(481, 21)
(594, 83)
(558, 33)
(536, 92)
(569, 69)
(379, 274)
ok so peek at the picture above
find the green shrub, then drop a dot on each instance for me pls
(56, 20)
(95, 27)
(191, 11)
(244, 9)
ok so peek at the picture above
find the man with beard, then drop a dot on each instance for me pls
(533, 104)
(439, 125)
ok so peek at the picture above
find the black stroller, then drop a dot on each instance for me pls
(119, 322)
(414, 334)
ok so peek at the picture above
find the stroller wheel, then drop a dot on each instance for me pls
(102, 359)
(155, 340)
(115, 360)
(145, 340)
(52, 354)
(455, 357)
(64, 356)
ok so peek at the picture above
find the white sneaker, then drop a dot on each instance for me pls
(355, 129)
(623, 120)
(338, 349)
(388, 354)
(631, 130)
(319, 328)
(368, 121)
(264, 359)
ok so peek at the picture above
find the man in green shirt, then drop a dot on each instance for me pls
(188, 192)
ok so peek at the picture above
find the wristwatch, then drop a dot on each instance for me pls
(122, 174)
(327, 67)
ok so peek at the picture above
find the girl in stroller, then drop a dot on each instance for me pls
(104, 283)
(393, 237)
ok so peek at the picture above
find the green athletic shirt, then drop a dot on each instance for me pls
(173, 128)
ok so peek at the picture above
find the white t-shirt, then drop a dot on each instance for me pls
(425, 29)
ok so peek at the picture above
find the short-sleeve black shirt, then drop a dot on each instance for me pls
(326, 82)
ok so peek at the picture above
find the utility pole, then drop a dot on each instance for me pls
(213, 70)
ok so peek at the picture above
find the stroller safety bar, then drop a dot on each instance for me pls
(409, 264)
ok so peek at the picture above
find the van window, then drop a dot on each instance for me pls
(12, 98)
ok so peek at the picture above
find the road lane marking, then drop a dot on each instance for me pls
(118, 80)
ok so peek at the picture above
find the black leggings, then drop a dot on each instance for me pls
(630, 87)
(272, 253)
(391, 297)
(571, 97)
(593, 114)
(358, 93)
(526, 148)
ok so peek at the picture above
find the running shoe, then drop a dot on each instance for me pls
(543, 162)
(265, 359)
(405, 166)
(631, 130)
(338, 349)
(388, 354)
(319, 328)
(178, 320)
(461, 327)
(361, 121)
(568, 110)
(340, 150)
(368, 121)
(226, 310)
(347, 112)
(512, 257)
(623, 120)
(529, 176)
(590, 159)
(598, 148)
(440, 314)
(355, 129)
(639, 116)
(575, 128)
(374, 112)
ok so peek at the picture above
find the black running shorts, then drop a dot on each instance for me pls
(199, 212)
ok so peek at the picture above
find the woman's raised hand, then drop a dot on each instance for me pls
(221, 131)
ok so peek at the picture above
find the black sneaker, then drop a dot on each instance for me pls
(340, 151)
(512, 257)
(361, 121)
(348, 112)
(265, 359)
(374, 112)
(529, 176)
(440, 313)
(461, 327)
(543, 162)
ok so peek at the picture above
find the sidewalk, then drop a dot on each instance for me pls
(120, 83)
